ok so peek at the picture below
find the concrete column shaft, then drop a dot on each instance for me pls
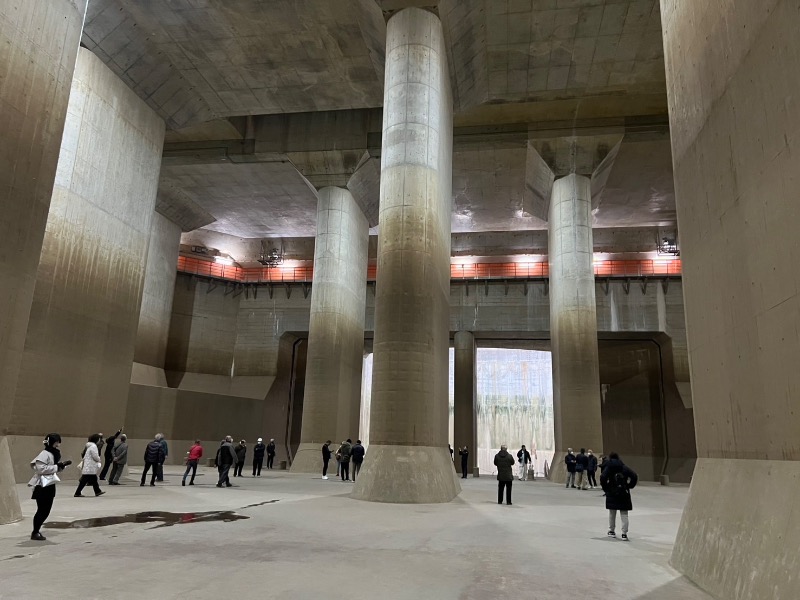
(408, 457)
(465, 396)
(573, 318)
(336, 329)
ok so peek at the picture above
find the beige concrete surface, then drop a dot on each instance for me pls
(10, 510)
(332, 398)
(736, 151)
(465, 398)
(40, 44)
(76, 366)
(409, 386)
(573, 322)
(315, 542)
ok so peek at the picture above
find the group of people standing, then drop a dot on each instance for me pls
(229, 456)
(581, 469)
(346, 453)
(115, 457)
(616, 478)
(524, 461)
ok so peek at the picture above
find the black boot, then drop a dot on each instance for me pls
(38, 536)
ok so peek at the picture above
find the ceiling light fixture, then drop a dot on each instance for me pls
(668, 245)
(270, 258)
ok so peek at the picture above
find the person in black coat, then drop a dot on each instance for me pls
(581, 468)
(241, 455)
(569, 459)
(258, 457)
(505, 474)
(357, 454)
(270, 453)
(153, 456)
(464, 454)
(618, 480)
(326, 457)
(108, 455)
(592, 469)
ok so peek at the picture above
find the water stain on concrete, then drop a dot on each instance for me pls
(165, 519)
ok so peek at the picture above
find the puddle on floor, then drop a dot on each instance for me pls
(164, 519)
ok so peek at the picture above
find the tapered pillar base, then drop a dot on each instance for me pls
(309, 459)
(558, 468)
(407, 475)
(10, 511)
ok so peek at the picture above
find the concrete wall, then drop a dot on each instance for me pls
(733, 94)
(39, 41)
(206, 315)
(157, 295)
(80, 340)
(261, 322)
(219, 330)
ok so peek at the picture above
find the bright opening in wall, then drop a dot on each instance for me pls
(515, 404)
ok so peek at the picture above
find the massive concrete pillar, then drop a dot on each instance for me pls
(157, 292)
(408, 460)
(735, 119)
(573, 321)
(39, 41)
(76, 366)
(465, 398)
(336, 329)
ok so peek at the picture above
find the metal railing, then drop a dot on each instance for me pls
(460, 271)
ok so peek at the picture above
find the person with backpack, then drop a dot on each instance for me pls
(343, 455)
(617, 480)
(570, 460)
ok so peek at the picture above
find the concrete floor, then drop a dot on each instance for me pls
(315, 542)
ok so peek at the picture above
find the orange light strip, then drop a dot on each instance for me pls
(607, 268)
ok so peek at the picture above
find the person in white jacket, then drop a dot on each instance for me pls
(91, 467)
(45, 468)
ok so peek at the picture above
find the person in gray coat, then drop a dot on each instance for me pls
(120, 458)
(505, 473)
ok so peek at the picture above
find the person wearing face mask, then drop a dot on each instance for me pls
(258, 457)
(45, 468)
(591, 469)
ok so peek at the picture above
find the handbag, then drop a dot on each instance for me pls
(80, 466)
(48, 480)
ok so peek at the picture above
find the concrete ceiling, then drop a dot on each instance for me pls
(314, 70)
(196, 60)
(249, 200)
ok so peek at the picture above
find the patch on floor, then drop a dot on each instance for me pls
(166, 519)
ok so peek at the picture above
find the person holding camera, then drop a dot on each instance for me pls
(45, 467)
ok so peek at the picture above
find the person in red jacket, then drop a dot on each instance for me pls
(194, 456)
